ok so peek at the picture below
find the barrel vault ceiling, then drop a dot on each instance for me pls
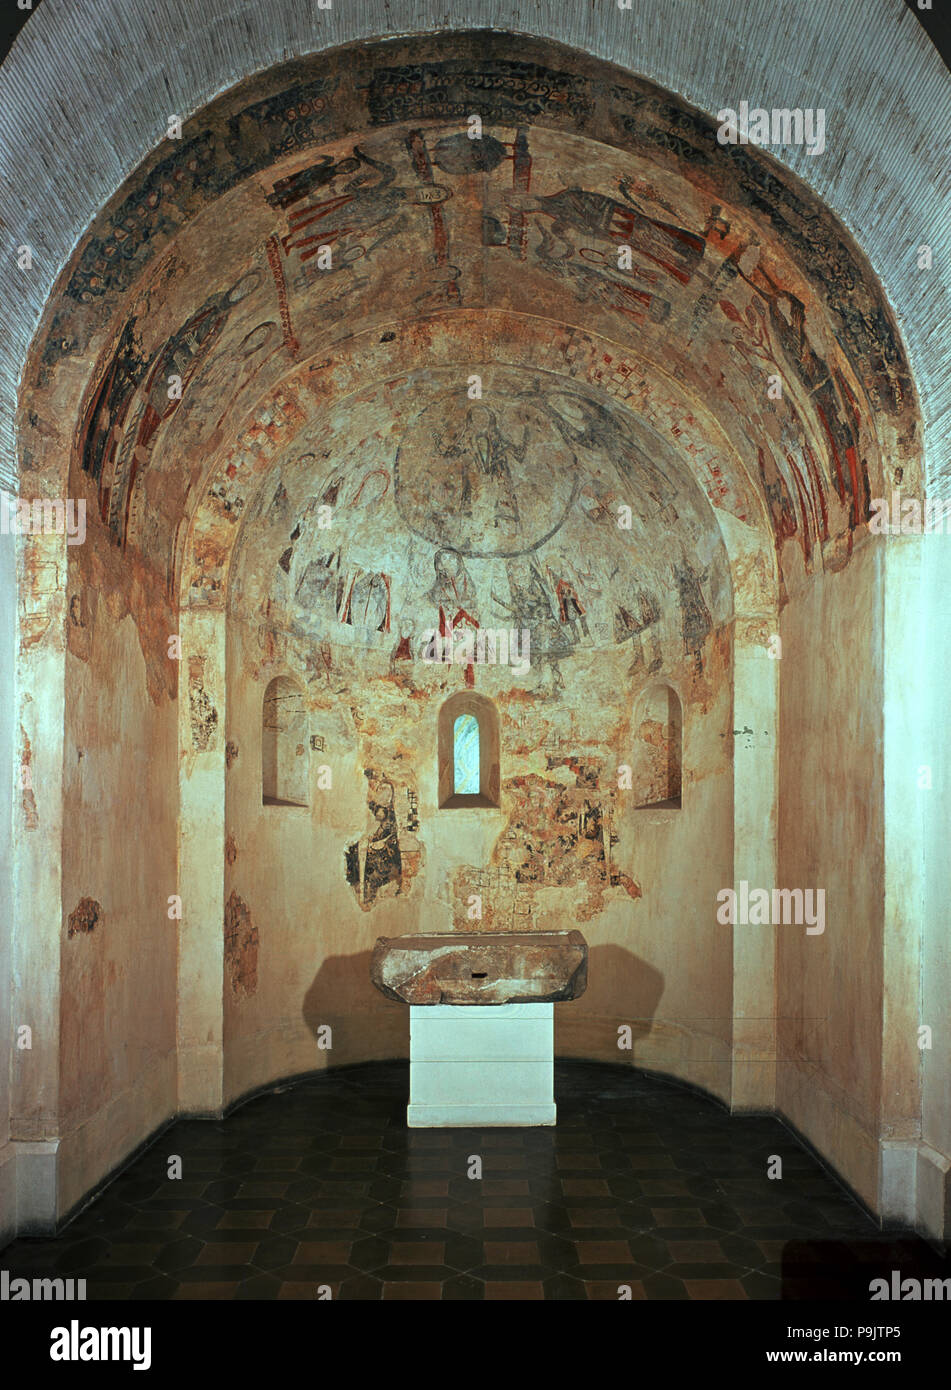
(327, 293)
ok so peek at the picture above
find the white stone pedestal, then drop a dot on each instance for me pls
(481, 1065)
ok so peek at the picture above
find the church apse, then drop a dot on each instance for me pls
(330, 199)
(461, 552)
(395, 416)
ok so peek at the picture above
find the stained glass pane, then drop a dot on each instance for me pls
(465, 744)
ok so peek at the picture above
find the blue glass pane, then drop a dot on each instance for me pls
(465, 744)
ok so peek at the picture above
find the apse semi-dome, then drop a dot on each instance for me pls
(531, 506)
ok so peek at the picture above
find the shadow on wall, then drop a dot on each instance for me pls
(623, 990)
(364, 1023)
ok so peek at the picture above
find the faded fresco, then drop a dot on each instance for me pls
(206, 280)
(458, 517)
(384, 860)
(463, 516)
(333, 368)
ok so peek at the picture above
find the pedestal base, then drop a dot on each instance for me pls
(474, 1065)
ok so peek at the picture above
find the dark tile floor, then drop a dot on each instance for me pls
(641, 1183)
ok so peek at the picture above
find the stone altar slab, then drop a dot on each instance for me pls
(481, 968)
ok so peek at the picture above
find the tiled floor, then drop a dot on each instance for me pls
(642, 1183)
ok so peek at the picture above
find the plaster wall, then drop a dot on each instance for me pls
(7, 745)
(118, 947)
(930, 748)
(831, 836)
(299, 935)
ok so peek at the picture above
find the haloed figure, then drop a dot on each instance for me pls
(374, 861)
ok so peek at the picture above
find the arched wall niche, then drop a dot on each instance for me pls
(657, 730)
(257, 562)
(223, 547)
(484, 712)
(284, 761)
(258, 523)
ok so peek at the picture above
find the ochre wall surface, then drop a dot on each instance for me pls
(119, 945)
(565, 848)
(214, 392)
(831, 836)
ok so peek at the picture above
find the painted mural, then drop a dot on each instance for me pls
(352, 222)
(466, 519)
(457, 517)
(385, 859)
(559, 834)
(376, 388)
(347, 191)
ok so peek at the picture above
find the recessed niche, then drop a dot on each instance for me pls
(468, 740)
(284, 769)
(657, 754)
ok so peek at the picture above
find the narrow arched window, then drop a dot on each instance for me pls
(468, 751)
(657, 759)
(465, 751)
(284, 773)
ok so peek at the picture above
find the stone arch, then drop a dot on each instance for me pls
(677, 53)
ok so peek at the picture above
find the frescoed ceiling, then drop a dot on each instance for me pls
(492, 514)
(291, 302)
